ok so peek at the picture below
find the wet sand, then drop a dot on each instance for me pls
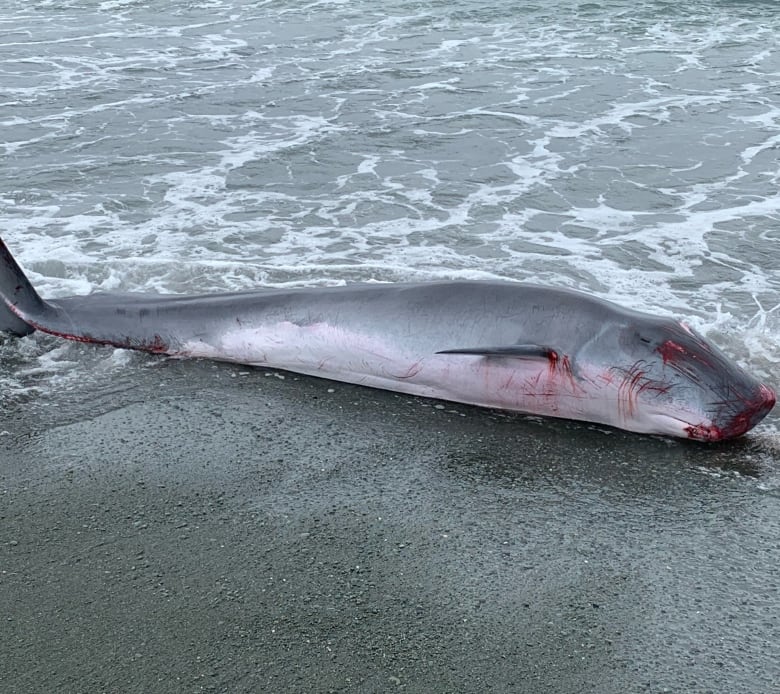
(198, 528)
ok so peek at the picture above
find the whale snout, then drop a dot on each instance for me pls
(728, 402)
(735, 421)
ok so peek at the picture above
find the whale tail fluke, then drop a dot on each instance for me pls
(20, 304)
(120, 320)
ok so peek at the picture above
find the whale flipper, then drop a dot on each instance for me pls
(517, 351)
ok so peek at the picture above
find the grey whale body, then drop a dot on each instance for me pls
(520, 347)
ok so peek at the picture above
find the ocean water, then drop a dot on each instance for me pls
(629, 149)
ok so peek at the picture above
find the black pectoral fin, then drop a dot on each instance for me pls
(516, 351)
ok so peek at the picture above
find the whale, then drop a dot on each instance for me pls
(499, 344)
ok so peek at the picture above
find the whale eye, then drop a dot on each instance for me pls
(631, 338)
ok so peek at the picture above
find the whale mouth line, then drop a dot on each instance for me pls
(701, 430)
(707, 432)
(722, 426)
(687, 428)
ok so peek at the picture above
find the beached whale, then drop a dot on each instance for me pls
(513, 346)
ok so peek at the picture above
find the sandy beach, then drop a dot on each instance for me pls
(196, 527)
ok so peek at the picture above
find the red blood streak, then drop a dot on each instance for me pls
(671, 351)
(156, 345)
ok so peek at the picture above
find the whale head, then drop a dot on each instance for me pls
(667, 379)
